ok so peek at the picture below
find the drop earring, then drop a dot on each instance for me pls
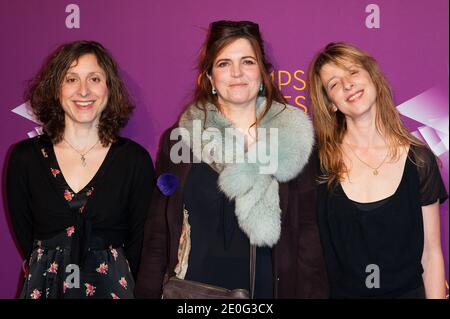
(261, 88)
(213, 91)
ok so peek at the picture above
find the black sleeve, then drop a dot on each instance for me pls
(155, 249)
(18, 198)
(143, 185)
(431, 184)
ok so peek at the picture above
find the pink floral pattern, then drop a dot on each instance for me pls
(36, 294)
(55, 171)
(46, 263)
(68, 195)
(114, 253)
(40, 252)
(123, 282)
(114, 296)
(90, 191)
(90, 289)
(70, 230)
(102, 268)
(65, 286)
(53, 268)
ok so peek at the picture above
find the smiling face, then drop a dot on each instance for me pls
(350, 89)
(84, 93)
(236, 75)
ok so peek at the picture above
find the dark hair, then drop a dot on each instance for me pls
(220, 34)
(44, 91)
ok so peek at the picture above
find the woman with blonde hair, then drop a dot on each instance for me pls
(380, 186)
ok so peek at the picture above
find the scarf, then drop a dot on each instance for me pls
(250, 179)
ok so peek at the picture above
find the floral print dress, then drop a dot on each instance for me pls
(74, 264)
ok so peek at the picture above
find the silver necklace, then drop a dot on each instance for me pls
(375, 169)
(83, 155)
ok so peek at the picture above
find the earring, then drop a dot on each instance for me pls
(261, 88)
(213, 91)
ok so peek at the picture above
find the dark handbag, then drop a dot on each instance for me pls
(176, 288)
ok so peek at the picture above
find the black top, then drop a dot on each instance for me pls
(112, 206)
(219, 248)
(386, 234)
(81, 236)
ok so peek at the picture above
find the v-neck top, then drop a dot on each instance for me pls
(76, 200)
(375, 249)
(112, 206)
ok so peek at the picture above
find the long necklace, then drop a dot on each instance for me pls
(83, 155)
(375, 169)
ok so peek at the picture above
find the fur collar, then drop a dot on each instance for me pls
(255, 192)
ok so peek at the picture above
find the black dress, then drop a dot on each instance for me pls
(85, 244)
(220, 250)
(384, 237)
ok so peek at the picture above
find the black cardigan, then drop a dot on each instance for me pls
(116, 211)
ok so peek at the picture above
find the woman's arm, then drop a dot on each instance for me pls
(139, 202)
(18, 199)
(154, 257)
(432, 258)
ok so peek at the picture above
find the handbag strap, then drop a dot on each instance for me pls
(252, 270)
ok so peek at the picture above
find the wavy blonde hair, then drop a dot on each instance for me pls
(331, 126)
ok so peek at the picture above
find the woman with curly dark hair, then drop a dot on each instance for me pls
(78, 195)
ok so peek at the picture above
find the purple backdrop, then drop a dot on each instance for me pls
(156, 44)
